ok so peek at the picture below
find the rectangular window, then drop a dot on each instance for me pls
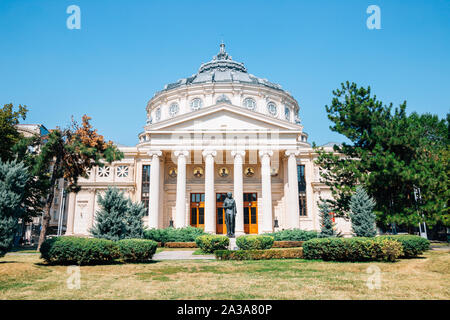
(301, 189)
(145, 190)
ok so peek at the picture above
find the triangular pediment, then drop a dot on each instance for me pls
(223, 117)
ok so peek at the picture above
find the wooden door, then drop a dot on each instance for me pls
(221, 227)
(251, 213)
(198, 210)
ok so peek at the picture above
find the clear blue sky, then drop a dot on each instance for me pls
(126, 50)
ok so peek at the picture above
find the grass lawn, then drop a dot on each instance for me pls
(25, 276)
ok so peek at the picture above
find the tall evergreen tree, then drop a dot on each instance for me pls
(13, 179)
(110, 219)
(361, 214)
(119, 217)
(133, 220)
(326, 222)
(391, 154)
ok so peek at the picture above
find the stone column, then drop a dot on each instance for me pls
(71, 213)
(210, 197)
(266, 188)
(292, 203)
(153, 210)
(239, 157)
(180, 213)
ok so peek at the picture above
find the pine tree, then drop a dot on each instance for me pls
(133, 220)
(362, 215)
(110, 220)
(119, 217)
(327, 225)
(13, 179)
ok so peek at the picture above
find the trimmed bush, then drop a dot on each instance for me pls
(287, 244)
(293, 235)
(180, 245)
(136, 250)
(80, 251)
(352, 249)
(412, 245)
(291, 253)
(254, 242)
(211, 243)
(187, 234)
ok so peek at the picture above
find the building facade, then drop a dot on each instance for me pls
(220, 130)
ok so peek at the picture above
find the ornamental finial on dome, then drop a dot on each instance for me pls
(222, 55)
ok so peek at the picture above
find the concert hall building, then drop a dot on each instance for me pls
(219, 130)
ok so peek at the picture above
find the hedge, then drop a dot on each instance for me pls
(291, 253)
(412, 245)
(352, 249)
(91, 251)
(187, 234)
(287, 244)
(254, 242)
(136, 250)
(180, 245)
(293, 235)
(80, 251)
(211, 243)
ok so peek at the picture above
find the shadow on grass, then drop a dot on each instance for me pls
(109, 263)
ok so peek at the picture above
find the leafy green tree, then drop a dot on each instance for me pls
(69, 154)
(9, 135)
(361, 214)
(326, 221)
(119, 217)
(13, 179)
(391, 154)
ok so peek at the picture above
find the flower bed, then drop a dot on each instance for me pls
(289, 253)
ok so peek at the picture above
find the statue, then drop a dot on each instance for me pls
(229, 206)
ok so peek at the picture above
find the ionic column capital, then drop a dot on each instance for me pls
(181, 153)
(155, 153)
(238, 153)
(211, 153)
(290, 153)
(265, 153)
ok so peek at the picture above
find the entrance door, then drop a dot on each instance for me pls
(221, 227)
(198, 210)
(250, 212)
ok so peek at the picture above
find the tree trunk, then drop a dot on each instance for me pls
(46, 217)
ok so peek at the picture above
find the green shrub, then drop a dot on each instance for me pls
(186, 234)
(293, 235)
(254, 242)
(211, 243)
(352, 249)
(291, 253)
(412, 245)
(81, 251)
(136, 250)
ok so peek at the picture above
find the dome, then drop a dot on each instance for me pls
(222, 68)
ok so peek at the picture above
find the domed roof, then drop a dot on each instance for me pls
(222, 68)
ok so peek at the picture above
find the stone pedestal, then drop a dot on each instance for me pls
(232, 245)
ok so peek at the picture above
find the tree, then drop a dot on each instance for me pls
(13, 179)
(391, 154)
(326, 221)
(110, 220)
(69, 154)
(362, 216)
(119, 218)
(9, 135)
(133, 220)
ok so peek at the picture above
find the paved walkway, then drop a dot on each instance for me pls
(180, 255)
